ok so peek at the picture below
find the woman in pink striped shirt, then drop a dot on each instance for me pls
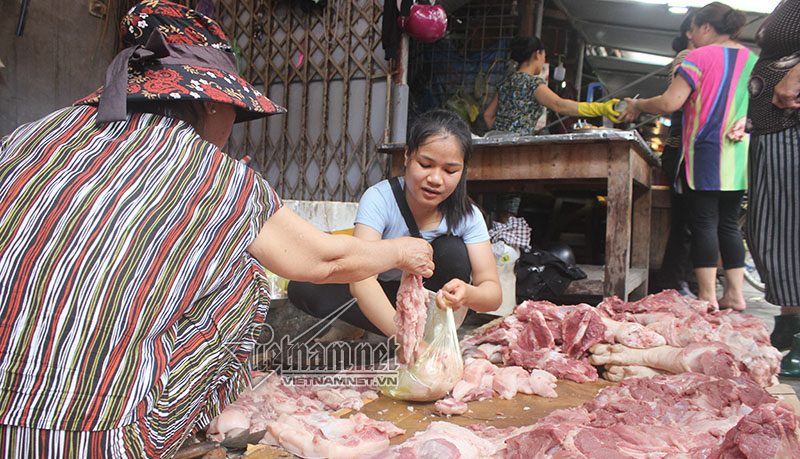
(712, 91)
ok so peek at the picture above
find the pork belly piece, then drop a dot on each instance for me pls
(510, 380)
(230, 422)
(411, 315)
(321, 435)
(450, 406)
(476, 382)
(488, 351)
(482, 379)
(337, 399)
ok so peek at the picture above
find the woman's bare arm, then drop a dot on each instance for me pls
(292, 248)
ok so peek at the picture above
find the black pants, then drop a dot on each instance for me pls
(321, 300)
(676, 254)
(715, 228)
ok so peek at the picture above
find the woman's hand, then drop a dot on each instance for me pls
(453, 294)
(416, 255)
(293, 249)
(736, 133)
(630, 113)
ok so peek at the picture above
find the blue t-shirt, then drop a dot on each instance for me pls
(378, 210)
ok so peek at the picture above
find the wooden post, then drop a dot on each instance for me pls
(526, 17)
(618, 221)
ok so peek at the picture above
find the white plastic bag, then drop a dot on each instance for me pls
(439, 367)
(505, 258)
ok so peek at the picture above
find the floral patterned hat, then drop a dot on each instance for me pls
(174, 53)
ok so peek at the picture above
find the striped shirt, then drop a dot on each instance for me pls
(115, 240)
(718, 78)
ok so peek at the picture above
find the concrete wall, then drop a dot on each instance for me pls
(58, 59)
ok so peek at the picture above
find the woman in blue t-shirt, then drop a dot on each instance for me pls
(435, 187)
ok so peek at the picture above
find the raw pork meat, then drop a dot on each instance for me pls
(769, 431)
(444, 440)
(270, 398)
(581, 329)
(683, 322)
(539, 335)
(689, 415)
(482, 379)
(674, 333)
(711, 359)
(450, 406)
(684, 415)
(410, 316)
(321, 435)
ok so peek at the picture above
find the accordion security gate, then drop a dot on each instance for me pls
(326, 66)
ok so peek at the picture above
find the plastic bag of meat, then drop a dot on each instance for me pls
(438, 368)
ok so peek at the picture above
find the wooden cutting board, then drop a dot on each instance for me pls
(519, 411)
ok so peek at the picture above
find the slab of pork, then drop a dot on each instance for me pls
(411, 315)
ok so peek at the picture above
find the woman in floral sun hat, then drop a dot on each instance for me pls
(133, 251)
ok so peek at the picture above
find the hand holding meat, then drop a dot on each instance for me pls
(417, 256)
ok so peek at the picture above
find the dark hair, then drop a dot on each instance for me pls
(681, 42)
(522, 48)
(724, 19)
(437, 122)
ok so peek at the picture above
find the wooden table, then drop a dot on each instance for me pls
(619, 161)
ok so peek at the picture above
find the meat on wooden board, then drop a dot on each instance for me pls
(322, 435)
(694, 390)
(482, 379)
(300, 420)
(687, 324)
(664, 332)
(686, 415)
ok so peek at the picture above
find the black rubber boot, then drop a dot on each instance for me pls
(785, 328)
(790, 364)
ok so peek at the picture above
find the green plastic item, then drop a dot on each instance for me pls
(790, 364)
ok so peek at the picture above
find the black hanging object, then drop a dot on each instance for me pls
(23, 12)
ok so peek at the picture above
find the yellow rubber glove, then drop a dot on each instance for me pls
(592, 109)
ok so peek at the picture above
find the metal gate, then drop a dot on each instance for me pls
(326, 66)
(324, 62)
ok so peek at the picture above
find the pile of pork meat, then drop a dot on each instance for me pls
(691, 384)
